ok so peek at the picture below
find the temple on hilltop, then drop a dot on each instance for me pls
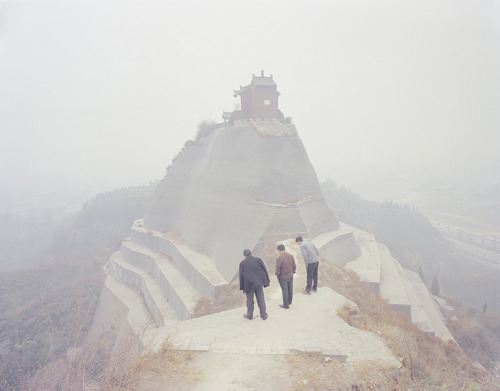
(246, 183)
(259, 100)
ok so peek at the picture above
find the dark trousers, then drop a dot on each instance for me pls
(259, 295)
(312, 276)
(287, 290)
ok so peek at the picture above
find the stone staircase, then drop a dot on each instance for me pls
(402, 288)
(170, 276)
(270, 127)
(392, 282)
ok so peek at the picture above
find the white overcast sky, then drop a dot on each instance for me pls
(103, 94)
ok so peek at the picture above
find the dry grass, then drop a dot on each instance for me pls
(111, 366)
(477, 333)
(165, 368)
(427, 362)
(167, 365)
(316, 372)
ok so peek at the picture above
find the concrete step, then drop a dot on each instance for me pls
(165, 278)
(198, 268)
(368, 264)
(139, 256)
(270, 127)
(392, 287)
(155, 301)
(418, 314)
(429, 306)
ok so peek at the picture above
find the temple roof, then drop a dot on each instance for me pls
(263, 81)
(258, 81)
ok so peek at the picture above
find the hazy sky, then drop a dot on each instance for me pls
(103, 94)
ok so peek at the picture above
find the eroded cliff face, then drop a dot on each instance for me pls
(237, 187)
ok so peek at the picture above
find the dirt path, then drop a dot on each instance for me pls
(228, 372)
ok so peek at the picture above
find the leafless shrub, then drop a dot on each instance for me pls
(205, 127)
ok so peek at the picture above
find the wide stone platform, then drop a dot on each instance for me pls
(310, 325)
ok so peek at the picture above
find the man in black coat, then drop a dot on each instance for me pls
(253, 280)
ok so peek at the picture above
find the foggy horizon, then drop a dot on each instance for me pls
(98, 96)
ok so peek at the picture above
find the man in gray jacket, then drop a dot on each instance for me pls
(311, 260)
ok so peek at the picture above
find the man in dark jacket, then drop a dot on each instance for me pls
(285, 269)
(253, 280)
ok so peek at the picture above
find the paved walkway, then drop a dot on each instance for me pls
(310, 325)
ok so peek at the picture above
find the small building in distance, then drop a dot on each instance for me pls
(259, 100)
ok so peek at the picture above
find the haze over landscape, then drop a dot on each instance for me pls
(100, 95)
(118, 273)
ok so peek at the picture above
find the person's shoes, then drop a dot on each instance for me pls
(246, 317)
(306, 293)
(282, 306)
(315, 291)
(263, 317)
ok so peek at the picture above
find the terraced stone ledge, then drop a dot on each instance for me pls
(198, 268)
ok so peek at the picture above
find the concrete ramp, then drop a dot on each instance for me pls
(418, 313)
(369, 263)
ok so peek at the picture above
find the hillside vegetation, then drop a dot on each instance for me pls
(46, 310)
